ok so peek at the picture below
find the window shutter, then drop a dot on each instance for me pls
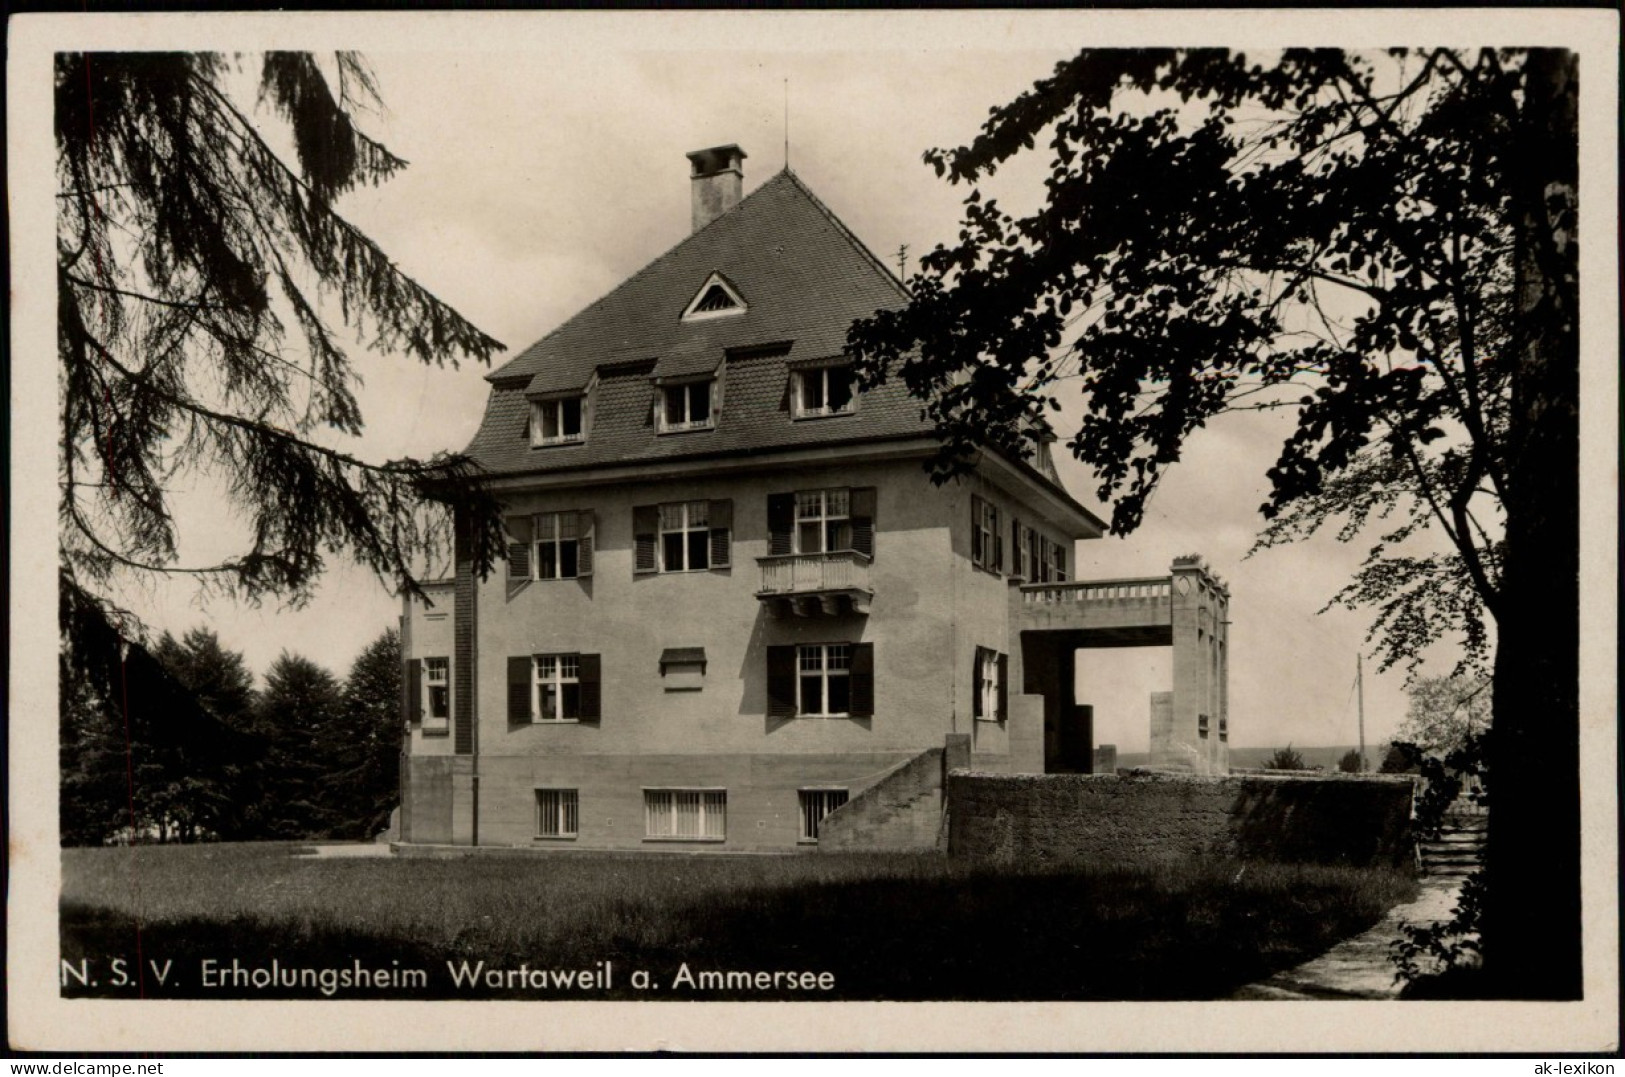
(863, 520)
(721, 515)
(781, 682)
(520, 668)
(584, 529)
(519, 536)
(1004, 687)
(412, 702)
(975, 530)
(1016, 567)
(997, 564)
(781, 523)
(863, 679)
(976, 683)
(591, 673)
(645, 530)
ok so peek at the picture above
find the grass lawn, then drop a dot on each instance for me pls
(905, 927)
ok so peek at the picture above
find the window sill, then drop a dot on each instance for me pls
(553, 837)
(804, 416)
(437, 732)
(555, 721)
(990, 721)
(687, 429)
(556, 442)
(686, 841)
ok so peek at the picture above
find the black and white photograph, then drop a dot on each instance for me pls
(940, 523)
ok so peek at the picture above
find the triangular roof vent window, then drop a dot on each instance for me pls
(716, 298)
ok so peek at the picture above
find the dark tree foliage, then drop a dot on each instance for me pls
(142, 759)
(1288, 758)
(1396, 759)
(1387, 247)
(299, 714)
(1351, 763)
(207, 295)
(365, 750)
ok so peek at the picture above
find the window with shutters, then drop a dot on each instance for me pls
(821, 680)
(815, 804)
(436, 695)
(1021, 562)
(557, 813)
(986, 540)
(682, 536)
(686, 406)
(558, 546)
(553, 688)
(990, 698)
(558, 688)
(823, 521)
(1057, 563)
(549, 546)
(685, 536)
(556, 422)
(824, 680)
(685, 814)
(824, 391)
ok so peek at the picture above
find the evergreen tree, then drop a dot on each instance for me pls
(367, 747)
(296, 714)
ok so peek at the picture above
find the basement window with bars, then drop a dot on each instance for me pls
(815, 804)
(685, 814)
(557, 813)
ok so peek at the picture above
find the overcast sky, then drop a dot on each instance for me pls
(543, 174)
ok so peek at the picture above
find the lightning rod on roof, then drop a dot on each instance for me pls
(787, 124)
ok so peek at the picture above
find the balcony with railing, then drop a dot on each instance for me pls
(814, 584)
(1139, 602)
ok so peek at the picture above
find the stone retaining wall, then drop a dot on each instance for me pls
(1139, 816)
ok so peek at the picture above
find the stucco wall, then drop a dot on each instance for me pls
(1097, 817)
(630, 619)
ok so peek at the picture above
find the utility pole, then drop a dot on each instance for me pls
(1359, 689)
(902, 260)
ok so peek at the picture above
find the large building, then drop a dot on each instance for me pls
(733, 601)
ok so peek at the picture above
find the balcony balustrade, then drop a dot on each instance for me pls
(810, 584)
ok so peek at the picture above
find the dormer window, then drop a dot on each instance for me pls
(823, 391)
(717, 298)
(687, 406)
(556, 422)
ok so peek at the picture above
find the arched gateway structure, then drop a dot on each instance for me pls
(1188, 610)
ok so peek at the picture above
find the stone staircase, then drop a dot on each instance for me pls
(1459, 848)
(903, 810)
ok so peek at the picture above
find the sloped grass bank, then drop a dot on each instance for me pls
(882, 927)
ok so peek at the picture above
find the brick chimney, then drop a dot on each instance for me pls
(717, 177)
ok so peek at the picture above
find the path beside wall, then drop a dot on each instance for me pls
(1143, 815)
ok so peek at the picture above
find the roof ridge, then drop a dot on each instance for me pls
(629, 281)
(851, 236)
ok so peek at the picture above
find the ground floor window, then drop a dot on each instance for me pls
(437, 689)
(988, 703)
(556, 813)
(825, 671)
(685, 814)
(815, 804)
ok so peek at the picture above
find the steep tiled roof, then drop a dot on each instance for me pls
(803, 277)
